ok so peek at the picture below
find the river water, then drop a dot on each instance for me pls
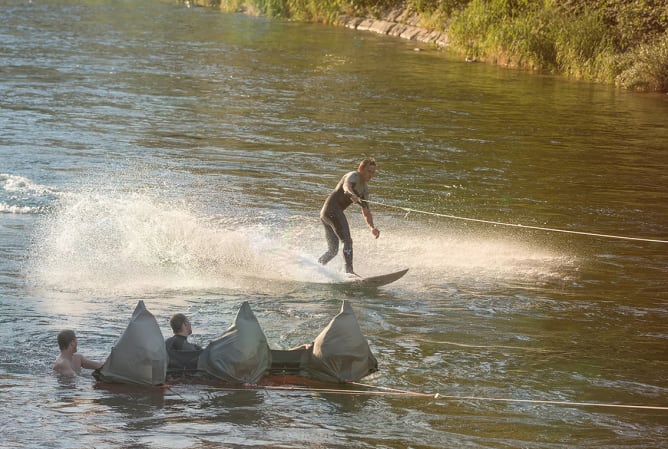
(179, 156)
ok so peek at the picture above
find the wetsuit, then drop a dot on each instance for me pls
(182, 354)
(335, 222)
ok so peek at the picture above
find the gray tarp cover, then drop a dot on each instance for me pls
(241, 354)
(139, 356)
(341, 353)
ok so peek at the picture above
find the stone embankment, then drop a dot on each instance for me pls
(399, 23)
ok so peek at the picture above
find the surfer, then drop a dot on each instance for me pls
(69, 362)
(352, 188)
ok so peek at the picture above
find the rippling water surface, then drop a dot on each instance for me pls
(179, 156)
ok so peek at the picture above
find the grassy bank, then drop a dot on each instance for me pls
(624, 42)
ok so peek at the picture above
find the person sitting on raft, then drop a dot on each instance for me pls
(182, 354)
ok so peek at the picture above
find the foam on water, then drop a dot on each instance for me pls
(19, 195)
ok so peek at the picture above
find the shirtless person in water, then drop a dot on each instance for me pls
(69, 362)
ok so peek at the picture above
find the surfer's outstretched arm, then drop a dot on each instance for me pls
(366, 212)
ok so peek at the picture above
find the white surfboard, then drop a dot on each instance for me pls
(375, 281)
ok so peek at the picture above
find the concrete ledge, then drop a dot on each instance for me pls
(398, 23)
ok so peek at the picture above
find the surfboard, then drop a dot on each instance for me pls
(351, 283)
(375, 281)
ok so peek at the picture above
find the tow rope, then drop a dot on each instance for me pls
(498, 223)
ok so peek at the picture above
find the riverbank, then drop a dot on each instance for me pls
(620, 44)
(398, 22)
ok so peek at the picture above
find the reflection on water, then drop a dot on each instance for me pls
(180, 156)
(134, 402)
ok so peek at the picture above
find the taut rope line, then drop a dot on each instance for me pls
(386, 391)
(529, 401)
(499, 223)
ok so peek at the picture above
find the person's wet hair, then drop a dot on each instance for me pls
(65, 337)
(177, 320)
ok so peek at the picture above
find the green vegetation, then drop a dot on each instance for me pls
(613, 41)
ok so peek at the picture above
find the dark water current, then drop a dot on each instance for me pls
(179, 156)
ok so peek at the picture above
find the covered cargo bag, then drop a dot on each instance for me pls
(139, 356)
(241, 354)
(341, 353)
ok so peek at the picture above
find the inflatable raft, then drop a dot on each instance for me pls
(241, 355)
